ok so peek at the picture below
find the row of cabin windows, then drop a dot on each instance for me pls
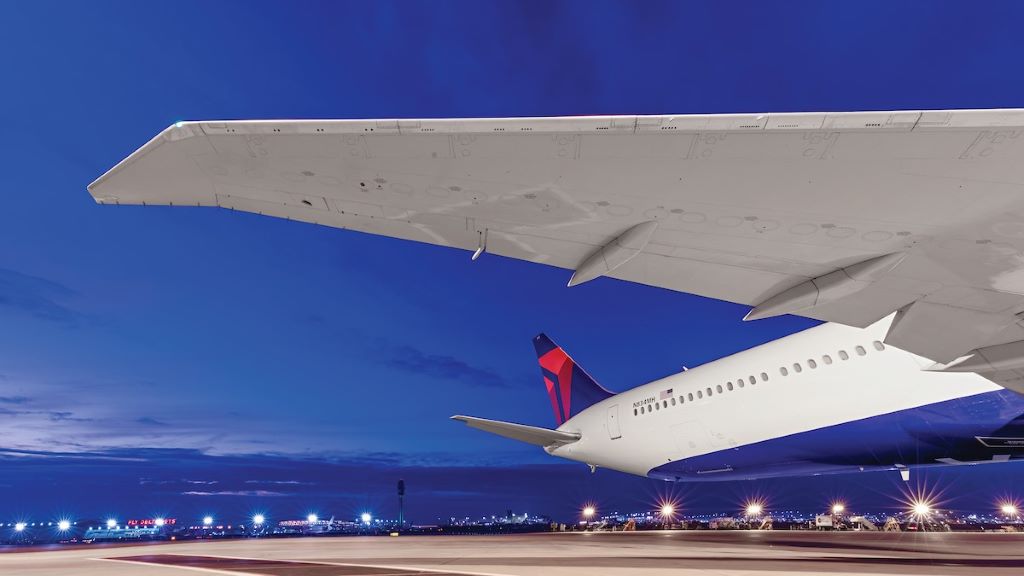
(812, 363)
(699, 394)
(742, 383)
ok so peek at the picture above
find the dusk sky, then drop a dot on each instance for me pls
(190, 361)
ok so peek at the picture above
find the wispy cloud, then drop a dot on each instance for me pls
(411, 359)
(14, 399)
(260, 493)
(149, 421)
(64, 416)
(38, 297)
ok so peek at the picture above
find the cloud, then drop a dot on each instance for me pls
(148, 421)
(280, 482)
(64, 416)
(14, 399)
(410, 359)
(261, 493)
(10, 454)
(37, 297)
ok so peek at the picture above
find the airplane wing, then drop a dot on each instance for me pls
(843, 217)
(521, 432)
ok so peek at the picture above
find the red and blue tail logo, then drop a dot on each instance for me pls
(570, 388)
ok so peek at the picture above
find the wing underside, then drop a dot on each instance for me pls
(791, 210)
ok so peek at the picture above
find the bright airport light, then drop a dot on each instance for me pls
(258, 519)
(754, 509)
(667, 510)
(588, 512)
(1009, 509)
(111, 522)
(312, 518)
(64, 525)
(158, 522)
(922, 508)
(838, 508)
(208, 520)
(366, 518)
(19, 527)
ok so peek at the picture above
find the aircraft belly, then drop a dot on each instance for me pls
(933, 434)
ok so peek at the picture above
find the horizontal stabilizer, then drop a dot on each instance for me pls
(521, 432)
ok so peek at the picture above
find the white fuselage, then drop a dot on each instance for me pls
(828, 375)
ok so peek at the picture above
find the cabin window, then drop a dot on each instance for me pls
(680, 399)
(843, 355)
(690, 396)
(657, 406)
(709, 392)
(797, 367)
(860, 350)
(673, 401)
(812, 363)
(634, 412)
(878, 345)
(783, 371)
(827, 359)
(729, 385)
(764, 378)
(664, 403)
(700, 394)
(719, 388)
(741, 383)
(641, 409)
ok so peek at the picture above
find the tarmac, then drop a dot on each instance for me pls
(557, 554)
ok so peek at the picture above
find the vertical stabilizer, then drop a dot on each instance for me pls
(570, 388)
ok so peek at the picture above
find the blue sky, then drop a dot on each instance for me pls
(145, 352)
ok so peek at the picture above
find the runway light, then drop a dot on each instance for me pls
(159, 522)
(1009, 509)
(111, 522)
(838, 508)
(754, 509)
(64, 525)
(208, 520)
(667, 510)
(258, 519)
(588, 512)
(366, 518)
(19, 527)
(311, 519)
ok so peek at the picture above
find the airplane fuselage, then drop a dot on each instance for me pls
(830, 399)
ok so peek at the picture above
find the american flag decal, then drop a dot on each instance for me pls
(665, 394)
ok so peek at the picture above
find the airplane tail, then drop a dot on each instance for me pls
(570, 388)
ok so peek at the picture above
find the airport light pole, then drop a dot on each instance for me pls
(401, 503)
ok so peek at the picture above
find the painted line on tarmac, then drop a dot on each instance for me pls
(379, 566)
(266, 566)
(140, 563)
